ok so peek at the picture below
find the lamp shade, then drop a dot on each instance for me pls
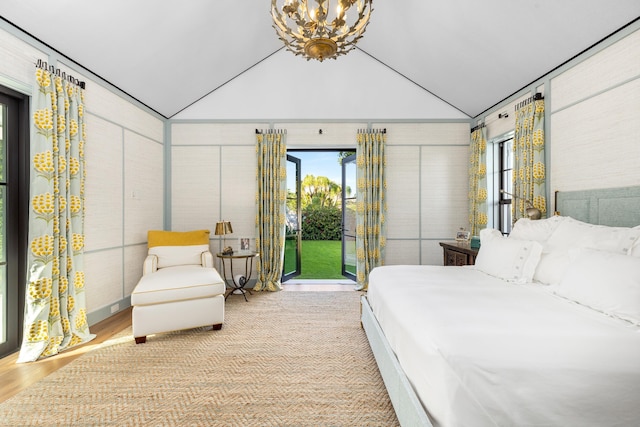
(223, 227)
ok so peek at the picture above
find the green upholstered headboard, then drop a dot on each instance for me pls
(617, 207)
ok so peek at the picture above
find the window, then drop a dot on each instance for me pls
(500, 178)
(506, 184)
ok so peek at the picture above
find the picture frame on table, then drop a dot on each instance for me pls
(244, 243)
(462, 236)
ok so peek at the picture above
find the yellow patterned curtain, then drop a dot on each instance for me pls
(528, 155)
(478, 180)
(371, 203)
(271, 197)
(55, 313)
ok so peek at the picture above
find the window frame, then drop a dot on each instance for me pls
(500, 173)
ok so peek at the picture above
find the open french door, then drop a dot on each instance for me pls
(348, 218)
(14, 191)
(293, 234)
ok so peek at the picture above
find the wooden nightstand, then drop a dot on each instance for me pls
(458, 253)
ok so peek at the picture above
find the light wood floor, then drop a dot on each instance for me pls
(16, 377)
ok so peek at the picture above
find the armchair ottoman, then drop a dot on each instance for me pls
(179, 288)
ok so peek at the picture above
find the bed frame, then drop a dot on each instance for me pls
(408, 407)
(616, 207)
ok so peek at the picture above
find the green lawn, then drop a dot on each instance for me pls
(321, 259)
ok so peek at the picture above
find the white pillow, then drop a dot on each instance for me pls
(539, 230)
(605, 281)
(572, 233)
(552, 267)
(512, 260)
(169, 256)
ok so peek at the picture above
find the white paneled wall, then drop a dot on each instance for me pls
(596, 143)
(109, 105)
(195, 187)
(213, 178)
(238, 192)
(215, 134)
(334, 135)
(595, 130)
(445, 188)
(446, 133)
(403, 192)
(616, 64)
(18, 58)
(124, 198)
(402, 252)
(432, 252)
(104, 220)
(143, 187)
(104, 279)
(135, 256)
(427, 186)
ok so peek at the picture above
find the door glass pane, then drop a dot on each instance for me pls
(3, 150)
(507, 184)
(3, 228)
(292, 266)
(350, 237)
(505, 227)
(508, 154)
(3, 270)
(349, 217)
(291, 242)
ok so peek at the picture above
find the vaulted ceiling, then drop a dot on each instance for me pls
(470, 54)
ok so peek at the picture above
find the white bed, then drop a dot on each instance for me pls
(491, 345)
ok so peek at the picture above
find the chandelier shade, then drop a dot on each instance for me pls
(320, 29)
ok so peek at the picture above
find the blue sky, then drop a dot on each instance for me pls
(319, 163)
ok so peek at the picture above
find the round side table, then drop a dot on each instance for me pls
(236, 284)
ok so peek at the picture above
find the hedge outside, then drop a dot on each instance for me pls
(321, 223)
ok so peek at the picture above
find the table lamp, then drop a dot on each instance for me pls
(532, 212)
(222, 229)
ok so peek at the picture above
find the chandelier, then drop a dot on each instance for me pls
(310, 29)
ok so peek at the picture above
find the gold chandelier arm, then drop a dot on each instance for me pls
(321, 11)
(357, 29)
(277, 19)
(361, 24)
(306, 30)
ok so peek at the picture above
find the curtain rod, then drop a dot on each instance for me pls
(480, 126)
(53, 70)
(372, 130)
(536, 97)
(260, 132)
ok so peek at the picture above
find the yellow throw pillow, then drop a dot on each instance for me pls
(177, 238)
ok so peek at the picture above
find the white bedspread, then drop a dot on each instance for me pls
(482, 352)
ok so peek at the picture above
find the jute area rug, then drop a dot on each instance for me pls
(281, 359)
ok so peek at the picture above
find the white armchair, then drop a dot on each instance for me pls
(179, 288)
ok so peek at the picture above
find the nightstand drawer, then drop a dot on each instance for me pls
(458, 253)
